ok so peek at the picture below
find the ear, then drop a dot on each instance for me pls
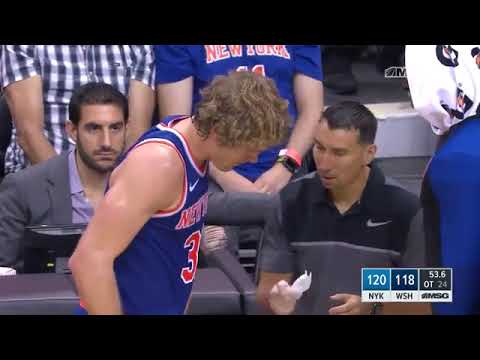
(370, 153)
(71, 130)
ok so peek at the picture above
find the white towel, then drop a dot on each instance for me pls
(7, 271)
(444, 82)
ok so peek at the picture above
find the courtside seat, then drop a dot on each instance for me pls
(54, 294)
(37, 294)
(214, 294)
(242, 281)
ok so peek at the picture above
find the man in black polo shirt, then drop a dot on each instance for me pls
(335, 221)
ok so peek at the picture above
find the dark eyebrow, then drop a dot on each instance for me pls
(92, 123)
(116, 123)
(339, 149)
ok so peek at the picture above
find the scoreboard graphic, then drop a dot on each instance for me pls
(407, 285)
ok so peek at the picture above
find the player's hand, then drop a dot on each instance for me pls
(350, 305)
(214, 238)
(282, 298)
(273, 180)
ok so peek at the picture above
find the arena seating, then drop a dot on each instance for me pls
(54, 294)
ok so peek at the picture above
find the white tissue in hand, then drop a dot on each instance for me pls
(7, 271)
(301, 285)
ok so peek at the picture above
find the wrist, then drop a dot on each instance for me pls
(293, 154)
(290, 160)
(282, 310)
(284, 170)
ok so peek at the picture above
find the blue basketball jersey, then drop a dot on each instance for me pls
(278, 62)
(156, 271)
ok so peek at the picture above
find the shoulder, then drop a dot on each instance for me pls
(397, 201)
(302, 188)
(34, 173)
(158, 160)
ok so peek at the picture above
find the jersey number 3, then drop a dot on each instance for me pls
(192, 242)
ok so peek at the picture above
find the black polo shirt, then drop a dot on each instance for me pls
(305, 231)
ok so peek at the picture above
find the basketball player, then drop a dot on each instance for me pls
(139, 253)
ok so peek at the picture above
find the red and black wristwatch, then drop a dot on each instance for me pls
(290, 159)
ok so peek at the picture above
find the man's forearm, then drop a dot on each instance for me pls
(141, 102)
(35, 145)
(309, 99)
(175, 98)
(25, 101)
(302, 135)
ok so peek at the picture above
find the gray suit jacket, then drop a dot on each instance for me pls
(37, 195)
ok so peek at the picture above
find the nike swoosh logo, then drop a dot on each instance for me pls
(191, 187)
(370, 223)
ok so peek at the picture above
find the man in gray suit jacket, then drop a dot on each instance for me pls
(66, 188)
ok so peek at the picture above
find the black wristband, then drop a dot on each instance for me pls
(288, 163)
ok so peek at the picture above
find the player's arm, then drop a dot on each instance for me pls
(138, 190)
(24, 95)
(276, 263)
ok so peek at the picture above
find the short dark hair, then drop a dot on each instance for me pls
(96, 93)
(350, 115)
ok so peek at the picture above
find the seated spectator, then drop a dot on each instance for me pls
(183, 70)
(348, 207)
(5, 132)
(38, 81)
(66, 188)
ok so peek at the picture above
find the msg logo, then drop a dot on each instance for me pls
(396, 72)
(435, 296)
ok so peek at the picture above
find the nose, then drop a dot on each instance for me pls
(323, 161)
(107, 138)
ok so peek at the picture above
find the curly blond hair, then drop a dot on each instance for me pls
(243, 108)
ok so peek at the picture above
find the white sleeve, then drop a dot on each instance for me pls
(444, 82)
